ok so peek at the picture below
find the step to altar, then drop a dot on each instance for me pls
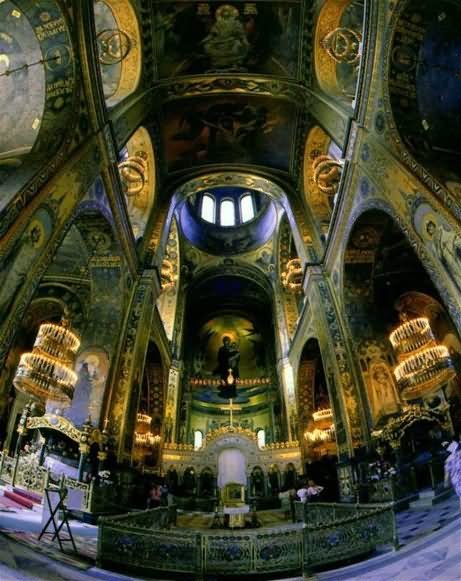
(430, 497)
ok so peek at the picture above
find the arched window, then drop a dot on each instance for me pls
(208, 209)
(227, 213)
(247, 210)
(198, 440)
(261, 436)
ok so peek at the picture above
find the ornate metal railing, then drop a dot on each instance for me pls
(8, 468)
(23, 471)
(334, 533)
(30, 475)
(331, 533)
(247, 552)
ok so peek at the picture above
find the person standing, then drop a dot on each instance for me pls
(453, 467)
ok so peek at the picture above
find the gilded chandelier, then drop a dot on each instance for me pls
(324, 430)
(292, 276)
(143, 437)
(47, 372)
(424, 366)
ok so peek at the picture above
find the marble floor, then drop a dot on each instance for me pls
(430, 550)
(436, 557)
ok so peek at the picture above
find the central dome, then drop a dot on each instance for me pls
(227, 220)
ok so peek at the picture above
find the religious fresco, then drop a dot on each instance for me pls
(200, 37)
(225, 341)
(21, 259)
(168, 299)
(118, 42)
(92, 367)
(37, 79)
(382, 391)
(441, 239)
(338, 46)
(235, 129)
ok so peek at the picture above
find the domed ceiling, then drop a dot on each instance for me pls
(231, 85)
(227, 220)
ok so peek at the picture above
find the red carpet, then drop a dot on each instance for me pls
(9, 504)
(33, 496)
(18, 498)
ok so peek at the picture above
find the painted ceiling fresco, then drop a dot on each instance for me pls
(201, 37)
(233, 129)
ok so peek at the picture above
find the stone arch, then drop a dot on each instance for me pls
(381, 267)
(424, 249)
(316, 412)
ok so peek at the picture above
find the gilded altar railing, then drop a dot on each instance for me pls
(24, 472)
(332, 533)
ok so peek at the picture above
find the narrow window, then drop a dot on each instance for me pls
(208, 208)
(227, 213)
(247, 209)
(261, 436)
(198, 440)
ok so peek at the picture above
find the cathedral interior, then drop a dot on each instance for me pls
(230, 284)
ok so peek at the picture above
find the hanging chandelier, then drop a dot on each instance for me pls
(424, 366)
(322, 415)
(143, 422)
(47, 372)
(146, 440)
(320, 436)
(143, 437)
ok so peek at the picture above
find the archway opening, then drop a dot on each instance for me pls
(316, 421)
(385, 283)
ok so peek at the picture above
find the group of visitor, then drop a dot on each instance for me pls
(158, 496)
(308, 492)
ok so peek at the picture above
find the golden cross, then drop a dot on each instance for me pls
(231, 408)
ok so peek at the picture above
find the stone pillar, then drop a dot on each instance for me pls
(285, 372)
(127, 376)
(172, 397)
(347, 482)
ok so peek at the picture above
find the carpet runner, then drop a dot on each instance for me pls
(19, 499)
